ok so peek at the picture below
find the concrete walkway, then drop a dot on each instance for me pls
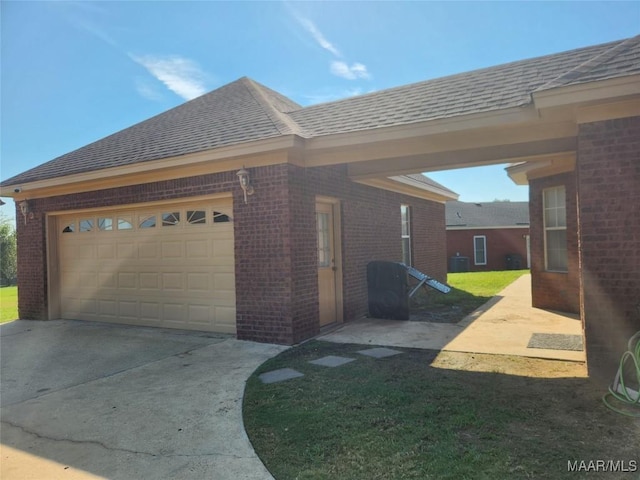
(502, 326)
(89, 400)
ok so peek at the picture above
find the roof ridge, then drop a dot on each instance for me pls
(283, 122)
(585, 67)
(467, 73)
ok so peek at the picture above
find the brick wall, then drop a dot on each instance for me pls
(608, 168)
(552, 290)
(275, 242)
(263, 242)
(500, 243)
(31, 262)
(371, 230)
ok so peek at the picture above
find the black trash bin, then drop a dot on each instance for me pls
(388, 290)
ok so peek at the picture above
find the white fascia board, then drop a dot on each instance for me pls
(603, 90)
(424, 186)
(288, 142)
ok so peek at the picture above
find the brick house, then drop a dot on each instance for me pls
(487, 236)
(151, 225)
(569, 123)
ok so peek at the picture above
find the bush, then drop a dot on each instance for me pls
(8, 253)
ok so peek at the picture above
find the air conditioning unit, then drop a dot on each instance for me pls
(388, 290)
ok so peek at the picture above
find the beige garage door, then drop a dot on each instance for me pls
(166, 266)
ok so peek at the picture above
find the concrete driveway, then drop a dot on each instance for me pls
(87, 400)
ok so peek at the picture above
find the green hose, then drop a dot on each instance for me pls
(619, 389)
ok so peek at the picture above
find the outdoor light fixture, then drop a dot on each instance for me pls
(245, 183)
(25, 208)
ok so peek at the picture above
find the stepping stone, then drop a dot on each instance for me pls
(280, 375)
(379, 352)
(331, 361)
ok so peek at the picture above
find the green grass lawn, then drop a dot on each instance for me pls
(469, 291)
(8, 304)
(430, 415)
(406, 417)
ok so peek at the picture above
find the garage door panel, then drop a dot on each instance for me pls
(225, 316)
(149, 281)
(126, 250)
(148, 249)
(174, 313)
(107, 280)
(106, 251)
(128, 309)
(222, 248)
(127, 280)
(150, 311)
(139, 269)
(85, 252)
(172, 249)
(199, 282)
(172, 281)
(82, 306)
(199, 314)
(198, 249)
(107, 308)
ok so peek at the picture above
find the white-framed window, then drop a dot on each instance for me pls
(479, 249)
(405, 216)
(555, 229)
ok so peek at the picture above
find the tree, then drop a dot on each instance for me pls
(8, 253)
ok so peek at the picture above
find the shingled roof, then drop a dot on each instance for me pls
(487, 214)
(238, 112)
(245, 111)
(494, 88)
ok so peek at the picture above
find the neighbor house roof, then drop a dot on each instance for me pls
(487, 214)
(245, 111)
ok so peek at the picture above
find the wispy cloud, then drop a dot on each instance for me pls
(179, 74)
(318, 36)
(342, 69)
(85, 16)
(148, 91)
(338, 66)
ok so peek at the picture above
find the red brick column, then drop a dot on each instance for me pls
(608, 170)
(32, 278)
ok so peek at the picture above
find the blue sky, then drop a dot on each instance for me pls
(74, 72)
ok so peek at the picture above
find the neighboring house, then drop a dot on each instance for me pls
(328, 194)
(487, 236)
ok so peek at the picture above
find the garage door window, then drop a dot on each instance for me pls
(219, 217)
(195, 217)
(86, 225)
(124, 223)
(147, 221)
(105, 224)
(170, 219)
